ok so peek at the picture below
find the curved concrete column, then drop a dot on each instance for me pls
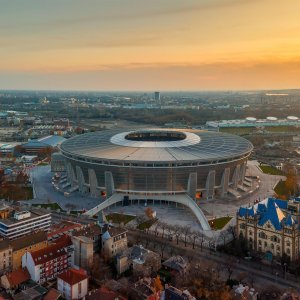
(80, 179)
(225, 182)
(192, 185)
(210, 184)
(182, 199)
(93, 183)
(71, 174)
(243, 171)
(109, 183)
(236, 176)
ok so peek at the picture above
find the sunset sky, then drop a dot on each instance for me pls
(149, 44)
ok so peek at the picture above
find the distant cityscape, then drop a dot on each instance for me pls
(110, 195)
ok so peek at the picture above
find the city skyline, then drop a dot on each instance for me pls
(165, 45)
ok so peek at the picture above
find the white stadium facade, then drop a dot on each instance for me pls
(173, 165)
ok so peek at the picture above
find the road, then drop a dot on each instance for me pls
(262, 278)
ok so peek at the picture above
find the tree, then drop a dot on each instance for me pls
(229, 265)
(157, 284)
(186, 231)
(149, 212)
(163, 227)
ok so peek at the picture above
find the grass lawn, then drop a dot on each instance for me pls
(283, 129)
(119, 218)
(281, 189)
(53, 206)
(219, 223)
(238, 130)
(147, 224)
(270, 170)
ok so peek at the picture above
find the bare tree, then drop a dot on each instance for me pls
(229, 265)
(232, 230)
(194, 237)
(177, 233)
(163, 227)
(162, 246)
(201, 239)
(186, 231)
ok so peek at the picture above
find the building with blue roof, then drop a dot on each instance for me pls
(272, 226)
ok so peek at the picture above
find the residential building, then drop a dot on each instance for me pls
(73, 284)
(83, 251)
(176, 264)
(172, 293)
(241, 292)
(105, 294)
(62, 228)
(93, 232)
(31, 242)
(142, 261)
(272, 226)
(15, 224)
(144, 290)
(52, 294)
(12, 280)
(5, 256)
(46, 264)
(114, 240)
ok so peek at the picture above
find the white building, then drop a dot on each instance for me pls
(20, 223)
(114, 241)
(73, 284)
(46, 264)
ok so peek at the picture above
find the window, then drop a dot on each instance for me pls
(262, 235)
(288, 251)
(266, 244)
(79, 287)
(259, 242)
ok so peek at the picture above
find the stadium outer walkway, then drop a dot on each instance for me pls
(180, 199)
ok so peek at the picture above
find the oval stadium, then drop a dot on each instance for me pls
(160, 164)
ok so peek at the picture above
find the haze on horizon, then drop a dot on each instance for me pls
(149, 45)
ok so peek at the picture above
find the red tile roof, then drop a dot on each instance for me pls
(17, 277)
(63, 227)
(104, 294)
(52, 251)
(73, 276)
(53, 294)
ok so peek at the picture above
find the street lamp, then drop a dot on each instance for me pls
(285, 265)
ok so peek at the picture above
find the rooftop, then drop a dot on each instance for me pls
(73, 276)
(112, 232)
(28, 240)
(17, 277)
(52, 251)
(33, 214)
(134, 146)
(270, 210)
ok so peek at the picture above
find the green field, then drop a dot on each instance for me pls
(282, 190)
(270, 170)
(147, 224)
(219, 223)
(283, 129)
(119, 218)
(238, 130)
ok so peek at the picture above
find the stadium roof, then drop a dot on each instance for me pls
(196, 145)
